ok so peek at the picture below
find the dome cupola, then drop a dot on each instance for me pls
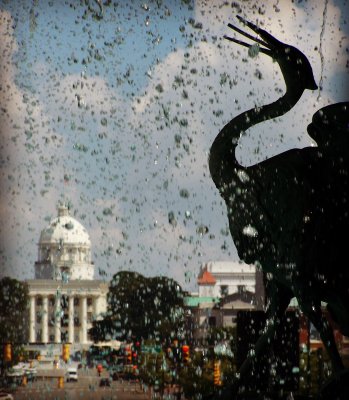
(64, 249)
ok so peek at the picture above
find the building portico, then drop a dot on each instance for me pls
(64, 313)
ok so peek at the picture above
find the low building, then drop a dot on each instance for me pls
(64, 296)
(224, 289)
(222, 278)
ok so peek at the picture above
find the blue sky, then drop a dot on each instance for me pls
(117, 114)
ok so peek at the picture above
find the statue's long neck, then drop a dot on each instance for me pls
(222, 152)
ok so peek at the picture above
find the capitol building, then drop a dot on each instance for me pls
(64, 296)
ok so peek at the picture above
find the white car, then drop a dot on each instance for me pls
(14, 372)
(72, 374)
(6, 396)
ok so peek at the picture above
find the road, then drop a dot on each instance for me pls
(87, 388)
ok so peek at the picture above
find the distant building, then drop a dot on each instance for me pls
(225, 288)
(222, 278)
(64, 296)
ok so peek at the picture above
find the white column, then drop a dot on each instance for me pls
(71, 319)
(44, 320)
(83, 317)
(58, 320)
(32, 320)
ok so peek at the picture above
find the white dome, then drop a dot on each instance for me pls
(66, 230)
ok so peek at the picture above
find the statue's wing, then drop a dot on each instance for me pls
(267, 205)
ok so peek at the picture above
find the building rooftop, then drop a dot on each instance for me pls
(206, 278)
(196, 301)
(228, 267)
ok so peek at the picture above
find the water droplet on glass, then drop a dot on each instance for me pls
(184, 193)
(250, 231)
(253, 51)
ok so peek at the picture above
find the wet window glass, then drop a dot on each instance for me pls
(174, 186)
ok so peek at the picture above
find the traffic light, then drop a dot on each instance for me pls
(185, 353)
(128, 354)
(217, 373)
(7, 352)
(66, 352)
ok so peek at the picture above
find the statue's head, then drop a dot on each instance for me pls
(330, 127)
(294, 65)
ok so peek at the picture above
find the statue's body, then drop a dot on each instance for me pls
(290, 213)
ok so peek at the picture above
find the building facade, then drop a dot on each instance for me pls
(219, 279)
(64, 296)
(224, 288)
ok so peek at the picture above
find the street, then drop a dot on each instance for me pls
(86, 388)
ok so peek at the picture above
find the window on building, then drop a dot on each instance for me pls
(212, 321)
(65, 273)
(241, 289)
(39, 301)
(89, 301)
(64, 336)
(314, 334)
(65, 320)
(89, 317)
(64, 302)
(76, 301)
(224, 290)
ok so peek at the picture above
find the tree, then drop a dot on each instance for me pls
(13, 310)
(141, 308)
(13, 320)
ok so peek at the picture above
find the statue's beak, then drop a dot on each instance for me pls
(269, 42)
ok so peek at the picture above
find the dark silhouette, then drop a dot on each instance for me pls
(290, 213)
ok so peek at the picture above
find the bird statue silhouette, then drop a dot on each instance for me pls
(290, 214)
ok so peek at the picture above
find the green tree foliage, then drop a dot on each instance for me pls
(197, 378)
(141, 308)
(222, 335)
(13, 311)
(155, 370)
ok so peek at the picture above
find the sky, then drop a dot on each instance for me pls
(112, 108)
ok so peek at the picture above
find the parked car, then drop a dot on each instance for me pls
(104, 382)
(116, 371)
(115, 375)
(6, 396)
(72, 375)
(31, 373)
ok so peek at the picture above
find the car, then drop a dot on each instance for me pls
(31, 373)
(72, 374)
(6, 396)
(115, 376)
(15, 372)
(104, 382)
